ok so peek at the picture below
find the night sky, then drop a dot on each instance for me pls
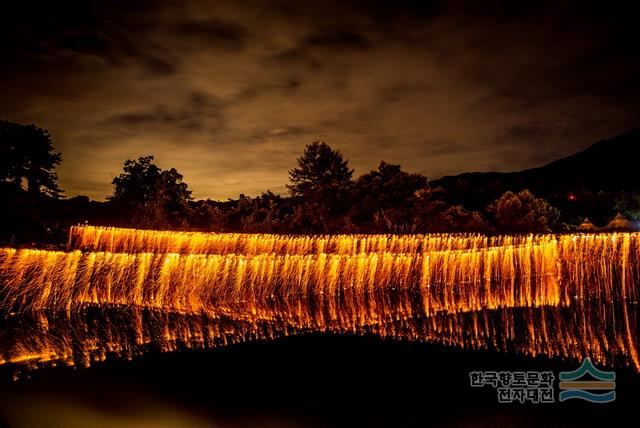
(230, 92)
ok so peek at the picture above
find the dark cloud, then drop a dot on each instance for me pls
(336, 39)
(401, 90)
(229, 92)
(445, 148)
(290, 131)
(294, 58)
(284, 87)
(192, 114)
(312, 49)
(157, 65)
(214, 33)
(85, 42)
(528, 131)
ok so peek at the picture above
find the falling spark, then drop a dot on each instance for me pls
(559, 295)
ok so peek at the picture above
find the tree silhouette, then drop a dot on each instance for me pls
(267, 214)
(320, 168)
(155, 198)
(523, 213)
(322, 181)
(628, 204)
(384, 197)
(138, 180)
(208, 215)
(27, 155)
(433, 215)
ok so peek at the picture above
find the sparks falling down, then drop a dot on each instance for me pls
(569, 296)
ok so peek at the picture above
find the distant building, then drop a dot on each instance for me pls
(619, 222)
(587, 226)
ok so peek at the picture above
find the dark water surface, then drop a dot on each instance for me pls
(312, 380)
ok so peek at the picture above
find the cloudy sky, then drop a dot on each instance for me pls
(230, 92)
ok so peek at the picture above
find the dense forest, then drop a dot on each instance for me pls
(324, 197)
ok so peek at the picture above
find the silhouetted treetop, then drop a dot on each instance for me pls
(137, 181)
(324, 199)
(322, 181)
(523, 213)
(389, 185)
(27, 155)
(319, 168)
(156, 198)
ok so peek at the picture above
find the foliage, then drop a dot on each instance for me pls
(434, 215)
(523, 213)
(324, 198)
(155, 198)
(383, 197)
(628, 204)
(322, 182)
(27, 155)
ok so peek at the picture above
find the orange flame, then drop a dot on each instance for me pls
(549, 294)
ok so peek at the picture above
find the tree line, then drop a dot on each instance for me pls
(324, 197)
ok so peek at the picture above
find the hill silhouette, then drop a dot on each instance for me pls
(609, 165)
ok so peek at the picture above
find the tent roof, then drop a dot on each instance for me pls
(586, 225)
(620, 222)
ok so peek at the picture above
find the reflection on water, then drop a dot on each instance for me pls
(91, 334)
(565, 296)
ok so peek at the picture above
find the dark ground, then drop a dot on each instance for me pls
(307, 381)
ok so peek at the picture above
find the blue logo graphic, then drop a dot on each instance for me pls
(571, 386)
